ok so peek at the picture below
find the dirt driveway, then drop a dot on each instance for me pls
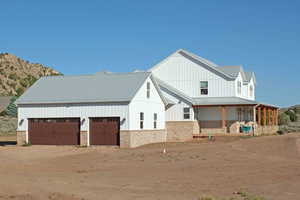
(268, 166)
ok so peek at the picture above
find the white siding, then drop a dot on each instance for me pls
(253, 85)
(175, 112)
(140, 103)
(245, 88)
(73, 110)
(186, 75)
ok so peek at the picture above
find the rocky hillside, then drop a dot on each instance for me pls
(16, 75)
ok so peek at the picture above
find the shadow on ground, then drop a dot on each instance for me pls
(5, 143)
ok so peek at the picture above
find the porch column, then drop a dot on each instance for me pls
(265, 116)
(259, 116)
(254, 114)
(223, 116)
(273, 116)
(276, 117)
(269, 116)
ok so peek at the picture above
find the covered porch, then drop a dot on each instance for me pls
(235, 119)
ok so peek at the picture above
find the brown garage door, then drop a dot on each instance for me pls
(105, 131)
(58, 131)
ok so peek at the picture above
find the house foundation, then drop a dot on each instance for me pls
(135, 138)
(179, 131)
(21, 138)
(84, 138)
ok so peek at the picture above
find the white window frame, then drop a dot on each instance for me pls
(155, 120)
(186, 113)
(142, 117)
(148, 90)
(239, 87)
(203, 88)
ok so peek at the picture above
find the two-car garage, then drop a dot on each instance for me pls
(66, 131)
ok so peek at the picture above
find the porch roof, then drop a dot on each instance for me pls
(227, 101)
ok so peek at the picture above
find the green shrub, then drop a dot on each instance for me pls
(27, 144)
(23, 83)
(297, 109)
(284, 119)
(11, 109)
(19, 91)
(12, 76)
(292, 115)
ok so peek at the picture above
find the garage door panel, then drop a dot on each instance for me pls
(54, 131)
(105, 131)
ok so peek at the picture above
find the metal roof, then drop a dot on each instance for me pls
(101, 87)
(214, 101)
(235, 70)
(164, 86)
(231, 70)
(223, 101)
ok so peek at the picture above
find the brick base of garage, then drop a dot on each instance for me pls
(84, 140)
(21, 137)
(131, 139)
(180, 131)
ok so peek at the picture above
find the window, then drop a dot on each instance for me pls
(141, 120)
(251, 91)
(239, 114)
(186, 113)
(204, 87)
(155, 120)
(239, 87)
(148, 90)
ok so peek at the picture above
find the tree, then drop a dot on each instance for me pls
(284, 119)
(292, 115)
(11, 109)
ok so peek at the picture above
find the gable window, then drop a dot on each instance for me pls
(148, 90)
(186, 113)
(204, 87)
(239, 87)
(141, 120)
(251, 91)
(155, 120)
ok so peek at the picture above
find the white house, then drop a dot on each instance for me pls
(182, 97)
(209, 98)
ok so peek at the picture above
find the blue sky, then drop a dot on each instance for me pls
(83, 37)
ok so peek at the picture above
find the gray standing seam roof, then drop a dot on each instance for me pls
(101, 87)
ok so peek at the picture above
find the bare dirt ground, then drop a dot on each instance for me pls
(268, 166)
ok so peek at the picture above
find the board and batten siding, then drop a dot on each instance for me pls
(245, 93)
(82, 111)
(185, 75)
(175, 112)
(149, 106)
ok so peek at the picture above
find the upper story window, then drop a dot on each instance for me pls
(141, 120)
(204, 87)
(251, 91)
(239, 87)
(148, 90)
(186, 113)
(155, 120)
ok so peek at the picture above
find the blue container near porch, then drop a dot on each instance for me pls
(246, 129)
